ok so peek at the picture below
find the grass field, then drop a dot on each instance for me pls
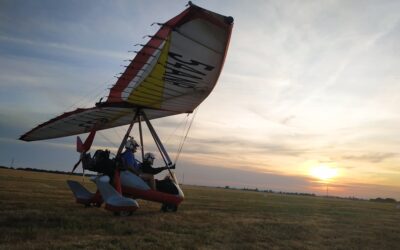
(38, 212)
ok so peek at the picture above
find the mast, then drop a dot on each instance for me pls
(160, 146)
(141, 136)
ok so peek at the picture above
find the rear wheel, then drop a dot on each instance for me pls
(123, 213)
(97, 204)
(169, 207)
(93, 204)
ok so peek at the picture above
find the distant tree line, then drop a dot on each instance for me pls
(385, 200)
(269, 191)
(45, 171)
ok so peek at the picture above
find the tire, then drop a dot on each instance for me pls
(123, 213)
(167, 208)
(96, 204)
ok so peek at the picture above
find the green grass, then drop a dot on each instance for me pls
(38, 212)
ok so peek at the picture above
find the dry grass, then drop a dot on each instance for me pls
(38, 212)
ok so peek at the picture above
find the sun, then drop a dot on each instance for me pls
(323, 172)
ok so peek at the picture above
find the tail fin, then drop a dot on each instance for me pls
(82, 195)
(84, 147)
(79, 145)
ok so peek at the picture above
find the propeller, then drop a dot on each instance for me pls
(82, 148)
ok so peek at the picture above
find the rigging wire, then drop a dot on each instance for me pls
(108, 140)
(181, 138)
(119, 130)
(184, 139)
(92, 94)
(117, 134)
(177, 127)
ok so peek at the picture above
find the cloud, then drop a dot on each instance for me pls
(54, 155)
(66, 48)
(371, 157)
(199, 174)
(215, 175)
(238, 145)
(303, 81)
(365, 190)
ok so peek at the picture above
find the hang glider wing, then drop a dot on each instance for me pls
(171, 74)
(82, 121)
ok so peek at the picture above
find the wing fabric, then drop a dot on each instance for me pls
(171, 74)
(178, 68)
(82, 121)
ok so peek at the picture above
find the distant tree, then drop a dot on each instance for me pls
(385, 200)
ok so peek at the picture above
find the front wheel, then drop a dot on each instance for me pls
(169, 208)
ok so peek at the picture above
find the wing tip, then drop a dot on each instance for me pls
(23, 138)
(227, 19)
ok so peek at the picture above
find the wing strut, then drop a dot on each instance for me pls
(128, 132)
(157, 140)
(138, 116)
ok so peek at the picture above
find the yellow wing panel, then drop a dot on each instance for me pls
(150, 91)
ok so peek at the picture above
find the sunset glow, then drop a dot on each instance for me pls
(307, 98)
(323, 172)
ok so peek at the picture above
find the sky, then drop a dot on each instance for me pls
(306, 85)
